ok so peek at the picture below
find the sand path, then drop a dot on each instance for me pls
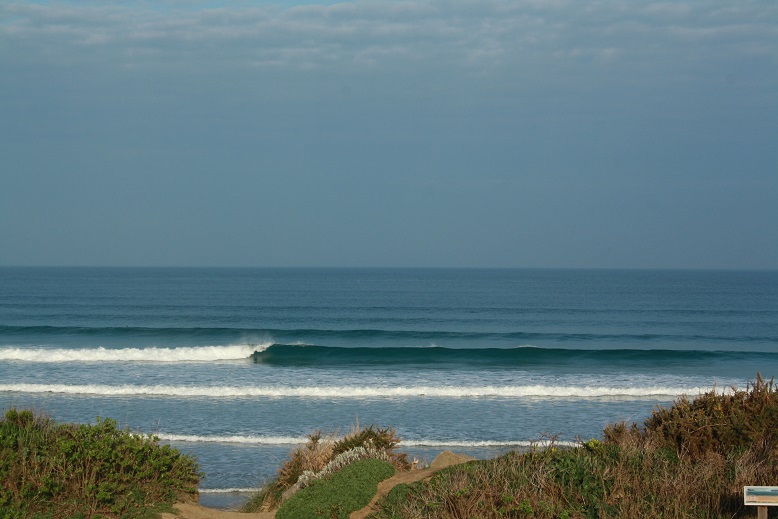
(195, 511)
(444, 459)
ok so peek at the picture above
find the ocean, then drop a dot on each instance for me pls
(237, 366)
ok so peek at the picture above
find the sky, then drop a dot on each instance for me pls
(390, 133)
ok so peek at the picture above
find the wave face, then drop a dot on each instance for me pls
(291, 355)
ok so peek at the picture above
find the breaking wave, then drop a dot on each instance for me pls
(151, 354)
(302, 355)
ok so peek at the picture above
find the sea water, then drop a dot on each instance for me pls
(237, 366)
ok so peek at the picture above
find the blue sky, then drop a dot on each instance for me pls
(502, 133)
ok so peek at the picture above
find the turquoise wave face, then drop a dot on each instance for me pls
(296, 355)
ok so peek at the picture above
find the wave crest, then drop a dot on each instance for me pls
(150, 354)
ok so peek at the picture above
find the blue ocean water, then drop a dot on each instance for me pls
(237, 366)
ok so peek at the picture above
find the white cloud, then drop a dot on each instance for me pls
(430, 43)
(460, 35)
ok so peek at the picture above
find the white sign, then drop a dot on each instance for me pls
(760, 496)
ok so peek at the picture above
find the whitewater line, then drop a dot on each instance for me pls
(292, 440)
(150, 354)
(252, 440)
(227, 490)
(345, 392)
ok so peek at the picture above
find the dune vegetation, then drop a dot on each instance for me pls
(56, 470)
(690, 460)
(687, 461)
(325, 455)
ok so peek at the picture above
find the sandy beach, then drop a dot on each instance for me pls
(443, 460)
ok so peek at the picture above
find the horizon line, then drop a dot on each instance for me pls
(375, 267)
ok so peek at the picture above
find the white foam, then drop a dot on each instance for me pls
(339, 392)
(226, 490)
(483, 443)
(151, 354)
(293, 440)
(251, 439)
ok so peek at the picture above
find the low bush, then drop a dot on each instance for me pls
(49, 469)
(336, 496)
(714, 422)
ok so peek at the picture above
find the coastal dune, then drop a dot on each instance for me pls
(443, 460)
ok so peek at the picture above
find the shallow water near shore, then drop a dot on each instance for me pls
(237, 366)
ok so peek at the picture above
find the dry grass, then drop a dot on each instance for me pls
(603, 481)
(670, 468)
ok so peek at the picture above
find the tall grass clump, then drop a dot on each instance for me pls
(323, 455)
(50, 469)
(689, 461)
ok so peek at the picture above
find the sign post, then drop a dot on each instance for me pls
(761, 497)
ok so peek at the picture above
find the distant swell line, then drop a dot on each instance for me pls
(367, 334)
(540, 391)
(118, 331)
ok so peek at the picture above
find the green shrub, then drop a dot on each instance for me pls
(70, 470)
(346, 491)
(712, 423)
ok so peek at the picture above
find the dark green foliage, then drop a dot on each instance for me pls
(711, 423)
(719, 423)
(69, 470)
(347, 490)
